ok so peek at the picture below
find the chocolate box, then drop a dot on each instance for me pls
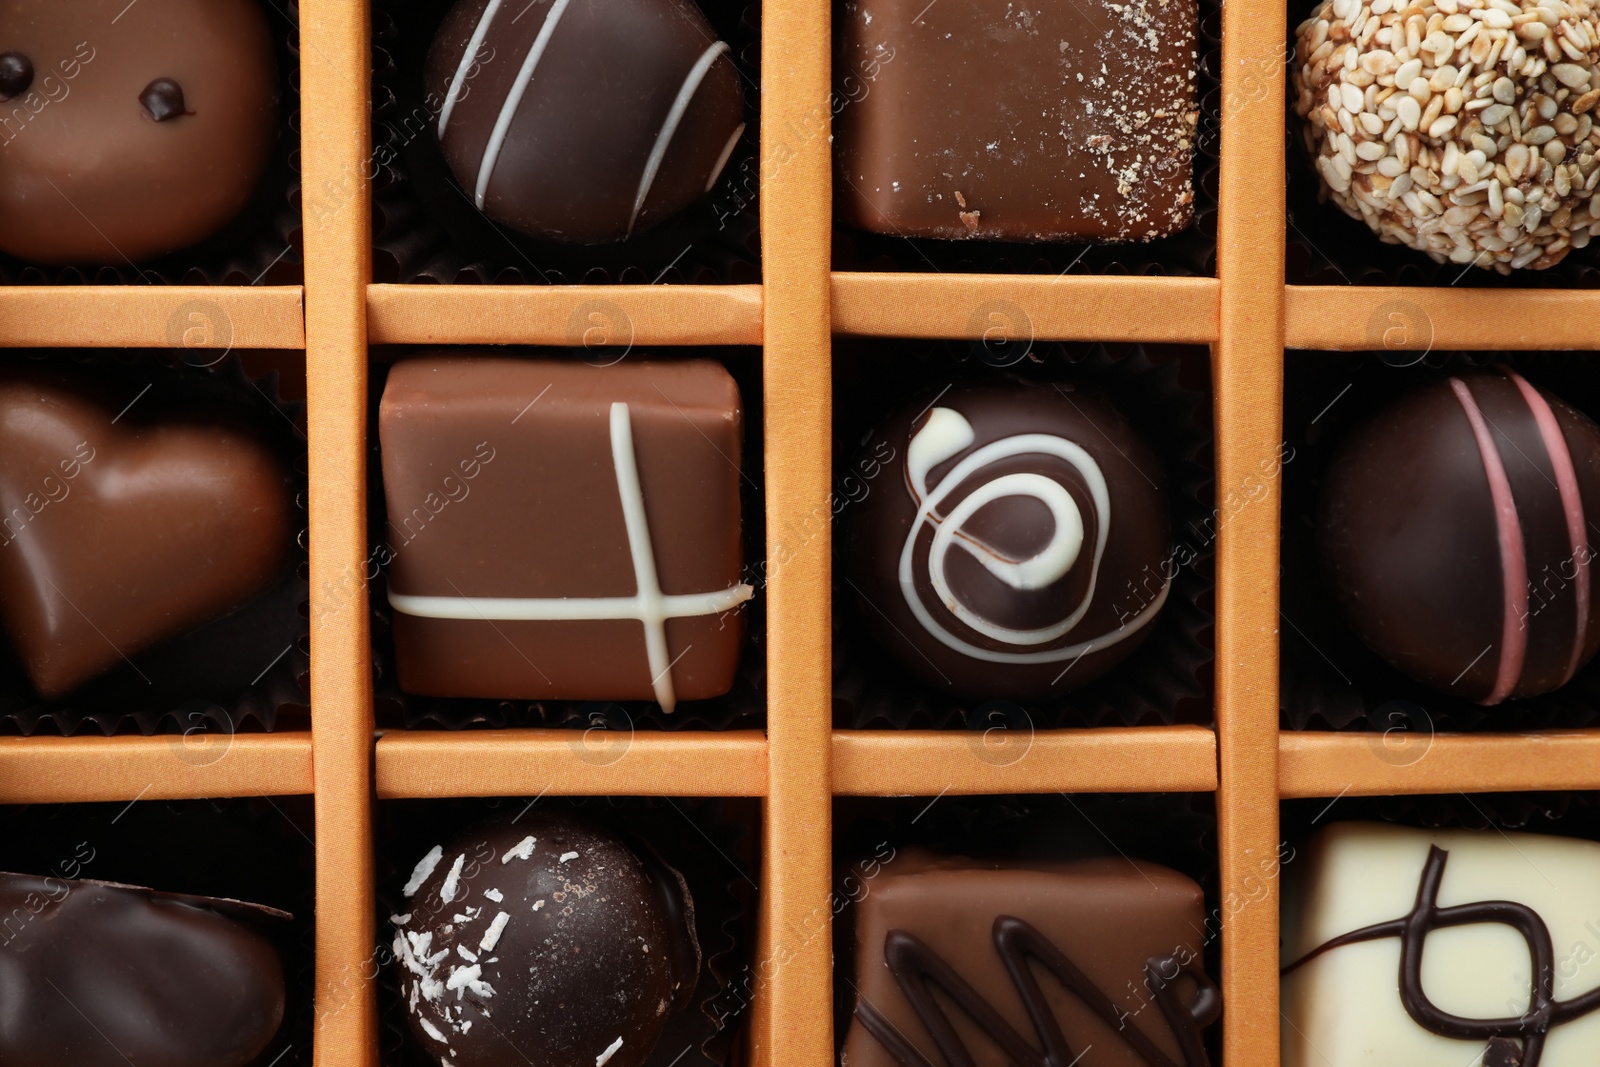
(1245, 314)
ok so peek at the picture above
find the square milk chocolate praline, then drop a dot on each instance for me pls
(1111, 949)
(563, 531)
(1017, 120)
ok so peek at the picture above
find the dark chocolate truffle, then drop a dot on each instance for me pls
(559, 530)
(1017, 122)
(89, 172)
(1455, 536)
(118, 531)
(94, 974)
(1017, 544)
(548, 936)
(584, 121)
(1088, 962)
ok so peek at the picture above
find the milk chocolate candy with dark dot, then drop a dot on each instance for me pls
(563, 531)
(583, 120)
(1017, 542)
(94, 974)
(85, 176)
(1091, 962)
(120, 529)
(549, 936)
(1016, 121)
(1456, 534)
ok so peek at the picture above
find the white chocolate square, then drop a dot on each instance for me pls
(1343, 1008)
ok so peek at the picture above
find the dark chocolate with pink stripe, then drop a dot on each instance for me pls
(583, 120)
(1456, 535)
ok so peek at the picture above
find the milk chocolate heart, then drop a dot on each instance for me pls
(117, 533)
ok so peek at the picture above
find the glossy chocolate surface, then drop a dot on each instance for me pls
(960, 962)
(532, 503)
(583, 120)
(94, 974)
(1017, 543)
(118, 531)
(1456, 536)
(89, 174)
(549, 937)
(1005, 121)
(1440, 947)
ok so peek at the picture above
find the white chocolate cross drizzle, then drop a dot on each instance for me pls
(649, 605)
(947, 434)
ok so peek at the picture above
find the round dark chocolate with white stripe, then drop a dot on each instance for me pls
(1016, 541)
(1456, 535)
(583, 120)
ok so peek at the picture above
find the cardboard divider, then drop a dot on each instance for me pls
(336, 146)
(1348, 318)
(582, 315)
(167, 316)
(1412, 762)
(1140, 759)
(1248, 368)
(1026, 307)
(598, 762)
(77, 770)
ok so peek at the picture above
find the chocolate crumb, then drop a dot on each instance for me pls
(969, 219)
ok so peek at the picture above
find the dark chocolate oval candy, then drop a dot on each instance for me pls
(583, 121)
(94, 974)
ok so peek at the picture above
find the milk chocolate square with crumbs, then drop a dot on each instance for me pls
(1017, 120)
(563, 531)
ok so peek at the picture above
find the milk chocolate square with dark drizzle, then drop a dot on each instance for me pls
(1088, 962)
(563, 531)
(1017, 121)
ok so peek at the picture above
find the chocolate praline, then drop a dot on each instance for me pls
(95, 974)
(549, 935)
(1014, 541)
(585, 121)
(128, 131)
(1455, 536)
(125, 521)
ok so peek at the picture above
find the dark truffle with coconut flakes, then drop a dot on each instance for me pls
(547, 934)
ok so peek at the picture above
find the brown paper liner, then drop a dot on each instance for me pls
(1190, 253)
(1328, 247)
(220, 677)
(1174, 830)
(428, 230)
(743, 707)
(712, 843)
(1164, 392)
(1330, 679)
(260, 247)
(257, 851)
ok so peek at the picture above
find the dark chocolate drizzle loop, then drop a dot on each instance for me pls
(163, 99)
(916, 968)
(16, 74)
(1544, 1011)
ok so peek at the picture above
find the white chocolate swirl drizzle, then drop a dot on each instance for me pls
(945, 435)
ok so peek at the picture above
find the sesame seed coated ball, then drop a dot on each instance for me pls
(1461, 128)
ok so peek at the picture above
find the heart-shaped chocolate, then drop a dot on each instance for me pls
(117, 533)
